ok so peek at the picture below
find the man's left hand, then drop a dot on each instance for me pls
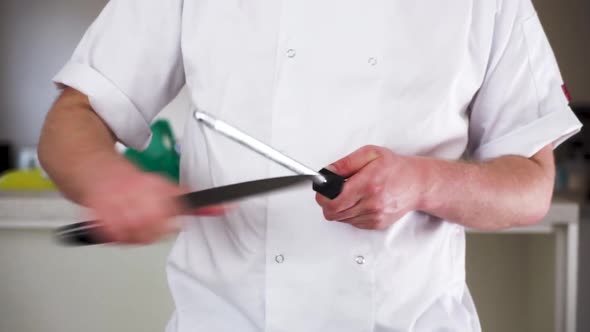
(381, 188)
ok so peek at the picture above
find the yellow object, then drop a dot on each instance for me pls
(25, 180)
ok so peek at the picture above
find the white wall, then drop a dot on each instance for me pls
(46, 287)
(177, 112)
(36, 38)
(511, 278)
(567, 24)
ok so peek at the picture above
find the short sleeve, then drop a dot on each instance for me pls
(521, 106)
(129, 64)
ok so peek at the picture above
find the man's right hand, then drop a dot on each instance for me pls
(76, 149)
(133, 207)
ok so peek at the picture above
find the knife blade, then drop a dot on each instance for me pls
(85, 233)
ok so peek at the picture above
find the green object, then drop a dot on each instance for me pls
(25, 180)
(160, 156)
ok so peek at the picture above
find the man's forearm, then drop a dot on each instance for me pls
(76, 147)
(505, 192)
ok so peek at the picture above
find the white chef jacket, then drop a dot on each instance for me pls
(318, 79)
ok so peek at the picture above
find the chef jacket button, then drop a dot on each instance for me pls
(279, 259)
(372, 61)
(291, 53)
(360, 260)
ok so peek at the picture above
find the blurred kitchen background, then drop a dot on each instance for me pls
(534, 279)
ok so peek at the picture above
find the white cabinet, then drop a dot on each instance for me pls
(526, 279)
(45, 287)
(522, 280)
(48, 287)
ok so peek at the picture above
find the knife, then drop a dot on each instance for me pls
(325, 183)
(84, 233)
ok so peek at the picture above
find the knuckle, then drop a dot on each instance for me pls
(108, 233)
(131, 223)
(373, 149)
(374, 220)
(165, 211)
(374, 188)
(378, 218)
(342, 164)
(321, 200)
(115, 226)
(389, 157)
(329, 216)
(376, 207)
(331, 205)
(154, 211)
(384, 218)
(383, 160)
(144, 236)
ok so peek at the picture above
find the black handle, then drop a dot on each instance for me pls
(79, 234)
(333, 185)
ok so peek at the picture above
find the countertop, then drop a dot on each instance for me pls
(37, 210)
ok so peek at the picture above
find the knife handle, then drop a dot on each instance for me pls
(79, 234)
(333, 185)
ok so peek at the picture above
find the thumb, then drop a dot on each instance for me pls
(351, 164)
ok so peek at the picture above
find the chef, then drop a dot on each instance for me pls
(441, 114)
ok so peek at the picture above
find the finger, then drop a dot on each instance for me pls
(333, 215)
(357, 210)
(130, 225)
(109, 225)
(365, 226)
(150, 224)
(373, 221)
(163, 224)
(105, 232)
(357, 188)
(361, 219)
(359, 224)
(148, 218)
(332, 208)
(157, 220)
(172, 226)
(344, 201)
(352, 163)
(102, 215)
(137, 217)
